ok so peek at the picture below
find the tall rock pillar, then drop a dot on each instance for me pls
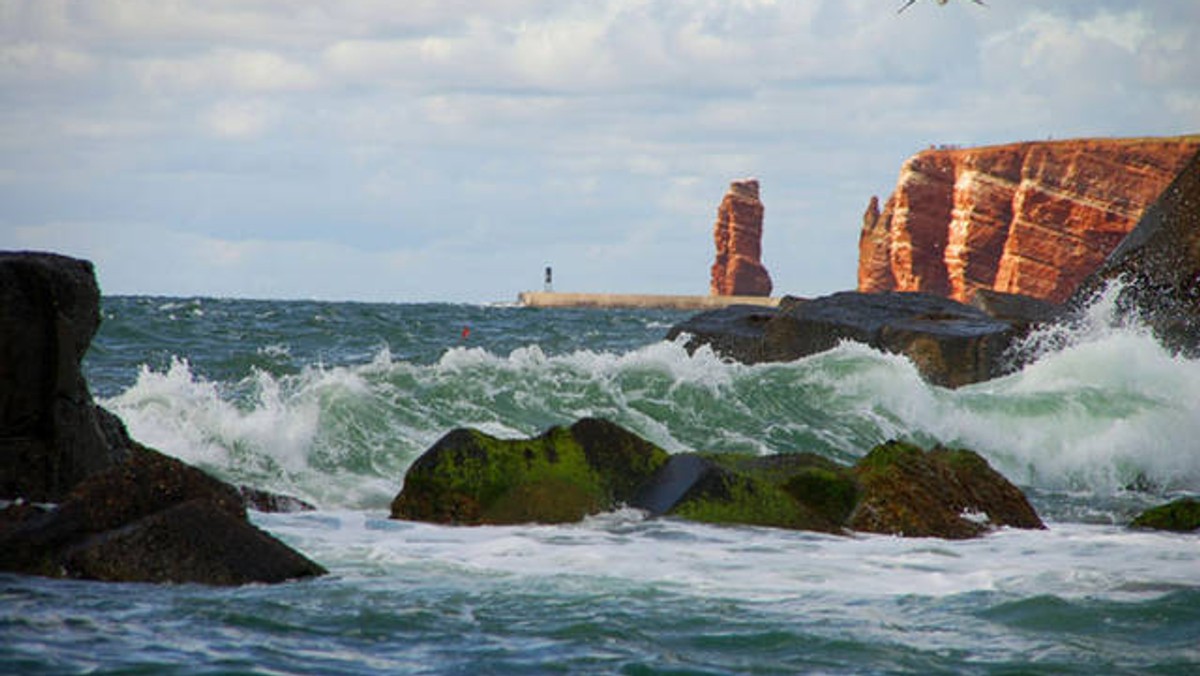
(738, 268)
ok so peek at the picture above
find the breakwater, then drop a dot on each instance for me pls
(638, 300)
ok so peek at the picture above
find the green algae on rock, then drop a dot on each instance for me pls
(799, 491)
(946, 493)
(1181, 516)
(469, 477)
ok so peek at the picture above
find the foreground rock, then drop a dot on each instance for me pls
(150, 519)
(1181, 516)
(565, 474)
(798, 491)
(738, 268)
(1159, 266)
(944, 493)
(950, 343)
(52, 435)
(568, 473)
(127, 513)
(1030, 218)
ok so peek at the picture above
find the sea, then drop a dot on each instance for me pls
(332, 401)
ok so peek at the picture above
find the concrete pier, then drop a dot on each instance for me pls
(638, 300)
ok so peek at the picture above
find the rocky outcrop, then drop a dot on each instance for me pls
(1159, 266)
(950, 343)
(1029, 218)
(567, 473)
(151, 518)
(738, 269)
(52, 435)
(126, 512)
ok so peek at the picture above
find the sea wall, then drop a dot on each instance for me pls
(1031, 218)
(637, 300)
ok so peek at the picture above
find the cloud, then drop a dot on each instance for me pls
(224, 69)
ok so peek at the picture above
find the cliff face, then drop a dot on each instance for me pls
(1030, 218)
(738, 269)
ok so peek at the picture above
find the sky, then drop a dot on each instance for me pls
(450, 150)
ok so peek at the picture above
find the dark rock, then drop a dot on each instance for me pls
(951, 494)
(1159, 265)
(798, 491)
(194, 541)
(116, 526)
(952, 344)
(565, 474)
(51, 433)
(1022, 311)
(272, 503)
(1181, 516)
(735, 331)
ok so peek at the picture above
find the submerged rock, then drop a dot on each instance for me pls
(944, 493)
(469, 477)
(950, 343)
(150, 519)
(1181, 516)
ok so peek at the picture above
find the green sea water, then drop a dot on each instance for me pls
(332, 401)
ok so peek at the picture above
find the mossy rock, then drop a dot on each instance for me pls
(948, 493)
(1181, 516)
(563, 475)
(796, 491)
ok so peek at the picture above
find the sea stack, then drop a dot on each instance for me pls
(1031, 218)
(738, 268)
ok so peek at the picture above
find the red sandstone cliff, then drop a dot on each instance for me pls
(738, 269)
(1030, 218)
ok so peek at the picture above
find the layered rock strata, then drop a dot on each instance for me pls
(738, 268)
(1028, 218)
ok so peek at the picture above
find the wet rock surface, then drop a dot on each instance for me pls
(469, 478)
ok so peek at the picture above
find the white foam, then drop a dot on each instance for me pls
(756, 564)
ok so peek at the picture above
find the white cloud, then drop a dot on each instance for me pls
(238, 119)
(488, 137)
(224, 69)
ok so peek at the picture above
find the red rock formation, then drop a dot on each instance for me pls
(1031, 218)
(738, 269)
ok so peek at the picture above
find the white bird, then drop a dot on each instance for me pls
(910, 3)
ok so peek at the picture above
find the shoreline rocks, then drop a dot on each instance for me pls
(126, 512)
(470, 478)
(950, 343)
(150, 519)
(52, 435)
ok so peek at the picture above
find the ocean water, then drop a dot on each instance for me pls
(332, 401)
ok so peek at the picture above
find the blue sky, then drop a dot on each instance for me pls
(443, 150)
